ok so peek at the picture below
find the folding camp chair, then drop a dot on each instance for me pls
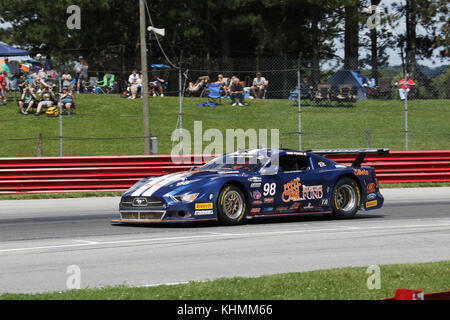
(215, 93)
(92, 85)
(323, 93)
(107, 84)
(345, 94)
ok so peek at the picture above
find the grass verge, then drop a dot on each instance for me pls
(334, 284)
(109, 125)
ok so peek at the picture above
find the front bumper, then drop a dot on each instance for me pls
(166, 210)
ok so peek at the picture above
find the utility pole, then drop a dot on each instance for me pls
(145, 106)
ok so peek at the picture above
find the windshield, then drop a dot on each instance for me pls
(245, 162)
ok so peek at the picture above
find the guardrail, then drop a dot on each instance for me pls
(117, 173)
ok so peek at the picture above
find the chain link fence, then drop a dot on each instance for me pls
(328, 97)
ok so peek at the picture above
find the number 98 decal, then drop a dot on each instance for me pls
(270, 189)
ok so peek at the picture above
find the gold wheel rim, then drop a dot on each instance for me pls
(233, 204)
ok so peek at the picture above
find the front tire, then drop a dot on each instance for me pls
(232, 205)
(346, 199)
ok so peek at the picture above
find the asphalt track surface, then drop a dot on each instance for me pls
(40, 239)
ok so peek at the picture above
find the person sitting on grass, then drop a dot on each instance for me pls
(157, 83)
(47, 100)
(236, 92)
(27, 100)
(222, 81)
(134, 81)
(67, 100)
(259, 85)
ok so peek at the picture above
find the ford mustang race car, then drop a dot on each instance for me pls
(255, 184)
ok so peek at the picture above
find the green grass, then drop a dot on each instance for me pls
(110, 117)
(334, 284)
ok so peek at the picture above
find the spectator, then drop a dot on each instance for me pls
(84, 72)
(405, 87)
(47, 100)
(66, 79)
(198, 85)
(2, 88)
(27, 100)
(101, 69)
(157, 83)
(221, 80)
(7, 74)
(236, 92)
(78, 68)
(67, 100)
(306, 88)
(259, 85)
(62, 66)
(48, 63)
(134, 81)
(23, 84)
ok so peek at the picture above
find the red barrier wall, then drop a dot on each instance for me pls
(115, 173)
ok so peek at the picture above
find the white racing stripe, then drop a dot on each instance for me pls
(154, 182)
(161, 183)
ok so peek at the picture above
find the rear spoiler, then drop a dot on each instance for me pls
(360, 152)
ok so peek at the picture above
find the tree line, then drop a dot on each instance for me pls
(232, 29)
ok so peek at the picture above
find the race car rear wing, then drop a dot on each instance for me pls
(360, 152)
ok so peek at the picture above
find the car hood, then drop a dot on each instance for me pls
(178, 183)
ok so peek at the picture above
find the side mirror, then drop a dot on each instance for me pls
(193, 168)
(270, 171)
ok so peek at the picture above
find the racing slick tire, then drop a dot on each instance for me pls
(346, 199)
(232, 206)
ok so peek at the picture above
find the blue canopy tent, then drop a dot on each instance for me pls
(349, 77)
(8, 51)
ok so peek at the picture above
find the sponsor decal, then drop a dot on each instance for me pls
(268, 209)
(292, 191)
(371, 196)
(203, 206)
(269, 200)
(295, 206)
(256, 202)
(255, 185)
(255, 179)
(370, 188)
(371, 204)
(255, 210)
(296, 153)
(279, 209)
(228, 172)
(322, 164)
(256, 195)
(183, 183)
(204, 212)
(140, 202)
(324, 202)
(361, 172)
(309, 206)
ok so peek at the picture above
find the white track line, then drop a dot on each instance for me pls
(343, 229)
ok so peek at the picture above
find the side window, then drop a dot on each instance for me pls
(289, 163)
(321, 163)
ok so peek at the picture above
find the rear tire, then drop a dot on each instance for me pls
(346, 199)
(231, 206)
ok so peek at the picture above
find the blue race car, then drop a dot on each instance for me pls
(255, 184)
